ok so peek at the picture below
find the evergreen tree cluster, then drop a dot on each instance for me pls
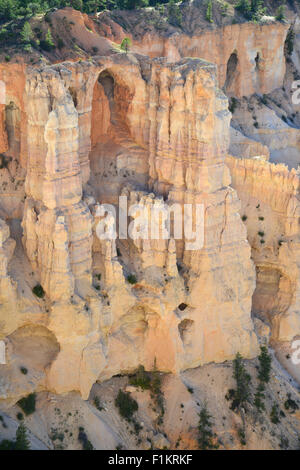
(21, 442)
(13, 9)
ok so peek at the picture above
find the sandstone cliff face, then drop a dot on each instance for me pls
(270, 208)
(152, 131)
(250, 57)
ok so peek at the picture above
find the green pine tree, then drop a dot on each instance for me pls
(244, 7)
(205, 434)
(280, 13)
(26, 33)
(77, 4)
(48, 43)
(209, 12)
(125, 45)
(22, 442)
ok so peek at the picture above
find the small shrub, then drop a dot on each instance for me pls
(284, 442)
(126, 404)
(23, 370)
(244, 218)
(290, 404)
(280, 13)
(97, 404)
(274, 415)
(289, 42)
(242, 436)
(27, 404)
(261, 234)
(7, 445)
(39, 291)
(7, 58)
(182, 306)
(83, 439)
(233, 102)
(125, 45)
(60, 43)
(141, 379)
(131, 278)
(209, 16)
(20, 416)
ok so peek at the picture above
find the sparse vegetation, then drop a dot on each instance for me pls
(141, 378)
(205, 434)
(39, 291)
(125, 45)
(290, 404)
(242, 436)
(23, 370)
(126, 405)
(251, 9)
(174, 13)
(259, 398)
(97, 404)
(26, 33)
(27, 404)
(280, 13)
(233, 102)
(209, 16)
(265, 362)
(264, 370)
(241, 395)
(274, 416)
(21, 442)
(83, 439)
(47, 44)
(289, 42)
(131, 278)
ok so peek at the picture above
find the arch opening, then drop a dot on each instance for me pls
(231, 73)
(115, 158)
(257, 62)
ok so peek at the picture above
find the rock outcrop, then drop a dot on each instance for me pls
(270, 210)
(156, 133)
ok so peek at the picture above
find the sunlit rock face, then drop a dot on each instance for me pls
(156, 133)
(270, 210)
(249, 56)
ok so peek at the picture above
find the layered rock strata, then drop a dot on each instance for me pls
(270, 210)
(157, 133)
